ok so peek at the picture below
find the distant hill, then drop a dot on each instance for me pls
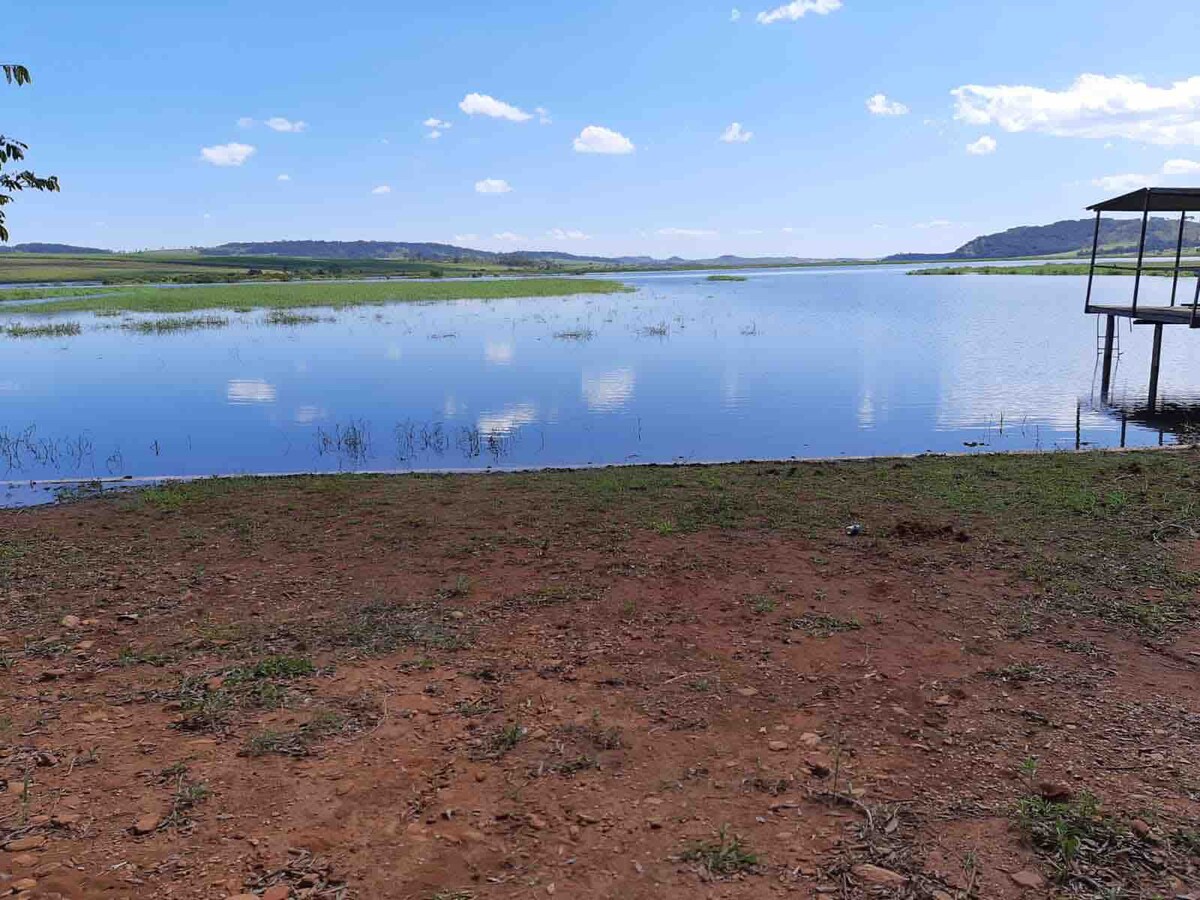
(51, 248)
(427, 252)
(1071, 236)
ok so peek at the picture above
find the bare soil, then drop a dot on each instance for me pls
(644, 683)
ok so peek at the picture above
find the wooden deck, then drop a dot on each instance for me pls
(1152, 315)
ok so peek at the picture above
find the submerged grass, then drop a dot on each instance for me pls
(175, 323)
(726, 278)
(331, 294)
(284, 317)
(56, 329)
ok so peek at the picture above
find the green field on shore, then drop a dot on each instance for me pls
(319, 294)
(1156, 269)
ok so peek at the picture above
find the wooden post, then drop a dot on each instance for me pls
(1152, 401)
(1110, 323)
(1087, 303)
(1137, 278)
(1178, 256)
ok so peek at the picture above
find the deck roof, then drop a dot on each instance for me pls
(1160, 200)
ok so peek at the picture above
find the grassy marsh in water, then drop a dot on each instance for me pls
(175, 323)
(332, 294)
(726, 278)
(57, 329)
(284, 317)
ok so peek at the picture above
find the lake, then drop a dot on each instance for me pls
(788, 363)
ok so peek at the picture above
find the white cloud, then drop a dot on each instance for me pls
(1181, 167)
(508, 237)
(437, 127)
(492, 186)
(597, 139)
(1131, 181)
(560, 234)
(1122, 184)
(686, 232)
(279, 123)
(245, 122)
(735, 14)
(750, 231)
(233, 154)
(543, 115)
(1094, 106)
(483, 105)
(382, 189)
(283, 177)
(936, 223)
(465, 238)
(796, 10)
(880, 105)
(983, 146)
(735, 134)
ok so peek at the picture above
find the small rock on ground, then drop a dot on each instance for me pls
(1027, 878)
(878, 874)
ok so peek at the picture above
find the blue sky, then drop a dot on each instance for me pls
(127, 95)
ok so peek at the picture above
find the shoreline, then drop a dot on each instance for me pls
(125, 483)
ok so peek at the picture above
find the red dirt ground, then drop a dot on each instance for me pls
(659, 688)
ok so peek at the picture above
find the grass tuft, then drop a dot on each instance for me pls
(823, 625)
(727, 855)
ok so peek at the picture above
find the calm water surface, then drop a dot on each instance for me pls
(796, 363)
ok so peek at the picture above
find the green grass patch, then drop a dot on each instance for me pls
(761, 604)
(497, 743)
(300, 741)
(726, 278)
(47, 291)
(323, 294)
(725, 856)
(210, 700)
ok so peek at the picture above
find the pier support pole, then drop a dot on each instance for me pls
(1154, 358)
(1106, 373)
